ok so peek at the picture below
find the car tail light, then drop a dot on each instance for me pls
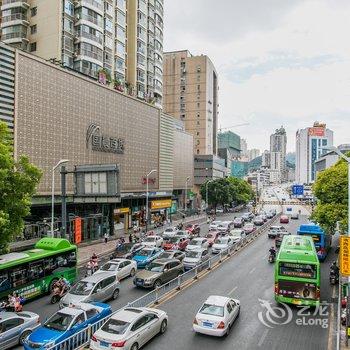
(93, 338)
(195, 321)
(221, 325)
(119, 344)
(276, 288)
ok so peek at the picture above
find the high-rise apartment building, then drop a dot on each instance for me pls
(278, 150)
(311, 144)
(122, 38)
(191, 95)
(253, 153)
(265, 161)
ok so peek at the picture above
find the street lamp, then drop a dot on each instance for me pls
(62, 161)
(147, 176)
(347, 159)
(206, 195)
(185, 204)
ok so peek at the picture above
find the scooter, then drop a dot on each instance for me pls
(272, 258)
(333, 278)
(56, 294)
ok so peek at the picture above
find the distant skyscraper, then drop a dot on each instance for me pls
(265, 162)
(253, 153)
(278, 149)
(310, 145)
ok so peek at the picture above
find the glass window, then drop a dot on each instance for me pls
(32, 47)
(115, 326)
(69, 8)
(229, 308)
(33, 11)
(120, 49)
(6, 325)
(68, 25)
(79, 319)
(18, 276)
(121, 4)
(139, 323)
(119, 64)
(35, 270)
(59, 321)
(108, 25)
(120, 33)
(121, 19)
(109, 42)
(91, 313)
(4, 281)
(33, 29)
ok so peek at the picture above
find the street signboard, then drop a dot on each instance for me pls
(344, 255)
(298, 190)
(289, 209)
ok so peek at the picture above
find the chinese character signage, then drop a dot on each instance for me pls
(161, 204)
(298, 190)
(317, 131)
(103, 143)
(344, 255)
(77, 234)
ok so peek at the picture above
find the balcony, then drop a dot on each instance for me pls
(8, 4)
(92, 39)
(92, 5)
(15, 19)
(97, 22)
(11, 38)
(90, 56)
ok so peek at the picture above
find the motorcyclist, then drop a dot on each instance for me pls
(334, 269)
(272, 251)
(63, 285)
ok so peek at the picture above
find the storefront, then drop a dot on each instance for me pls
(160, 209)
(122, 219)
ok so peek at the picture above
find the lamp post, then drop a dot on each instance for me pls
(62, 161)
(147, 176)
(347, 159)
(185, 203)
(206, 196)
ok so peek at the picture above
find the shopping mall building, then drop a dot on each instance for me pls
(111, 141)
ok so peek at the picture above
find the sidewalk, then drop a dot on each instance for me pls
(103, 249)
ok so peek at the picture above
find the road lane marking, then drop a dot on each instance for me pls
(232, 290)
(262, 339)
(252, 270)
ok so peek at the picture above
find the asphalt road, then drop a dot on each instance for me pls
(248, 277)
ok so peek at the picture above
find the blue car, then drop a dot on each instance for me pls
(146, 255)
(65, 323)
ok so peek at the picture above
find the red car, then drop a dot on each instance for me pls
(284, 219)
(193, 229)
(211, 237)
(176, 243)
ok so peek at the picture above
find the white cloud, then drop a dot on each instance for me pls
(287, 62)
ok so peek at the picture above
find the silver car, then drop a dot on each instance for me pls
(130, 328)
(15, 327)
(98, 287)
(195, 258)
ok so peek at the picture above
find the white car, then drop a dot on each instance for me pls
(153, 241)
(221, 244)
(130, 329)
(224, 226)
(120, 267)
(214, 225)
(170, 232)
(197, 243)
(216, 316)
(182, 233)
(237, 234)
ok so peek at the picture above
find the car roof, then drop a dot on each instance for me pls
(4, 315)
(129, 314)
(217, 300)
(95, 278)
(165, 261)
(79, 307)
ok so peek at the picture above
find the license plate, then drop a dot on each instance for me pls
(139, 281)
(207, 324)
(296, 302)
(104, 344)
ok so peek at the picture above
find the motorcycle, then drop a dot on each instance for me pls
(272, 258)
(56, 293)
(333, 277)
(91, 268)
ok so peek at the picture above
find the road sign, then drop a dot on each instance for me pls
(344, 255)
(289, 209)
(298, 190)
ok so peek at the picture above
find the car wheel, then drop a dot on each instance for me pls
(135, 347)
(132, 272)
(228, 330)
(163, 326)
(115, 294)
(23, 337)
(157, 284)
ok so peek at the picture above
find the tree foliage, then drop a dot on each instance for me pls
(331, 191)
(18, 181)
(226, 191)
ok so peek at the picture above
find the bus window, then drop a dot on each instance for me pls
(35, 270)
(18, 276)
(4, 281)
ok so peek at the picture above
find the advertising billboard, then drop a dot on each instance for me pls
(317, 131)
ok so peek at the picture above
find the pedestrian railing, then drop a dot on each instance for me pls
(82, 338)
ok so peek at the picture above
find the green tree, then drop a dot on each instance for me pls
(331, 191)
(241, 191)
(18, 181)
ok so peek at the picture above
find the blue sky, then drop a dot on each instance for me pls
(280, 62)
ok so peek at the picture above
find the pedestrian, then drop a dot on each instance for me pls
(106, 237)
(130, 238)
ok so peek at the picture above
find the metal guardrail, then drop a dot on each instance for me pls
(82, 338)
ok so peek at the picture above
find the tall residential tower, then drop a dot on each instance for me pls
(123, 38)
(278, 150)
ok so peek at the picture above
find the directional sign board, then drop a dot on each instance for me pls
(298, 190)
(344, 255)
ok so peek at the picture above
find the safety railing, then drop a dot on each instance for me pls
(82, 338)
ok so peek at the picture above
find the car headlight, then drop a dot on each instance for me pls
(49, 345)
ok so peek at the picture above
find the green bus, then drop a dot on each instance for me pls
(297, 272)
(32, 272)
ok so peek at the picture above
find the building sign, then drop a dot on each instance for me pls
(298, 190)
(151, 181)
(317, 131)
(121, 211)
(77, 230)
(161, 204)
(344, 256)
(103, 143)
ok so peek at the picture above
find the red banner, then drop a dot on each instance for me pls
(77, 226)
(316, 131)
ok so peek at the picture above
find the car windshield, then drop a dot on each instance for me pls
(59, 321)
(109, 266)
(222, 240)
(155, 267)
(235, 233)
(150, 239)
(249, 226)
(193, 254)
(115, 326)
(196, 242)
(165, 255)
(181, 233)
(215, 223)
(82, 288)
(169, 230)
(213, 310)
(173, 240)
(145, 252)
